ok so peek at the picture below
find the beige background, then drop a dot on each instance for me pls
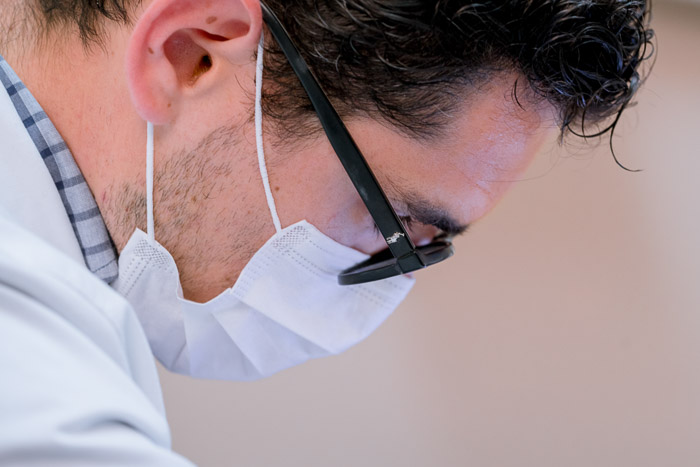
(566, 331)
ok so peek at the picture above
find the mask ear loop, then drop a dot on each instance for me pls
(259, 137)
(259, 144)
(150, 229)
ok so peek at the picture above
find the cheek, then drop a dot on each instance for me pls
(316, 188)
(351, 224)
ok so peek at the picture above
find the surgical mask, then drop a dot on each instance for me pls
(285, 308)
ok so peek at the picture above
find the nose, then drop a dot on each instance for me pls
(423, 234)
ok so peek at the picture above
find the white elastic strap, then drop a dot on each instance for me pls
(259, 138)
(150, 229)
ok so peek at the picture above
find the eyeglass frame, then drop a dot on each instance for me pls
(408, 257)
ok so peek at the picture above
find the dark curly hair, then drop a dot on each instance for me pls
(407, 61)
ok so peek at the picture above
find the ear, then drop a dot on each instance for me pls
(176, 43)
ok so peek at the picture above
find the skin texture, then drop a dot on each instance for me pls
(210, 207)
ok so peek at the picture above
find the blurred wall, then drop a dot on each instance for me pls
(566, 331)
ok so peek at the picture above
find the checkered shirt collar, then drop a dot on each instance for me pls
(88, 225)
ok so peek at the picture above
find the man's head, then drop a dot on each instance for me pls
(448, 100)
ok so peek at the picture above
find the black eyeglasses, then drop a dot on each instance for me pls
(401, 256)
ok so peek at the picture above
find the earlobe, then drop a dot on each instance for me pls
(176, 42)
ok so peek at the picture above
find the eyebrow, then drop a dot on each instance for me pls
(424, 212)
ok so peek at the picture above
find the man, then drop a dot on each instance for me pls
(164, 132)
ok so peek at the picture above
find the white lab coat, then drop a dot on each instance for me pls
(78, 384)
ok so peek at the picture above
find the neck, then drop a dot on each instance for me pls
(85, 95)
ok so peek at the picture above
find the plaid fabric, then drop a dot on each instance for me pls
(88, 225)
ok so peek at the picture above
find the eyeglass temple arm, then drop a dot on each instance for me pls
(350, 156)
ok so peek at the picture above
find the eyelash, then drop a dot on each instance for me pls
(407, 221)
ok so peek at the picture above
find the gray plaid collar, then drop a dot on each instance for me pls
(88, 225)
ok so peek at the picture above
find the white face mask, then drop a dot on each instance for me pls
(285, 308)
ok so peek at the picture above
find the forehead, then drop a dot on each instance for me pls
(465, 170)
